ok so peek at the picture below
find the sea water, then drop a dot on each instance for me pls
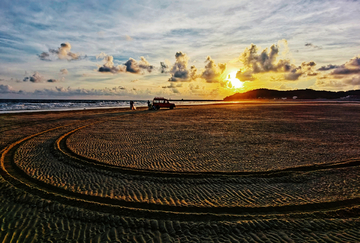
(32, 105)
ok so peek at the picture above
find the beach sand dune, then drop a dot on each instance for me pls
(254, 172)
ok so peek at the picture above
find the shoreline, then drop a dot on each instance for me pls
(253, 101)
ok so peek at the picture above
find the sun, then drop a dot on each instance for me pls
(236, 83)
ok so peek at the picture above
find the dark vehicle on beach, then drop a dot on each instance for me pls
(161, 102)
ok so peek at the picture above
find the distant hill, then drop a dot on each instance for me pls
(294, 94)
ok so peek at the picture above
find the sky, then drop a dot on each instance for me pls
(176, 49)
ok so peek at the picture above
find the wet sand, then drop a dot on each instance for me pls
(252, 172)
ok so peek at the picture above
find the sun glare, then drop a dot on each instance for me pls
(236, 83)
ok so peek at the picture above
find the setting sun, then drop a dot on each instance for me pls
(236, 83)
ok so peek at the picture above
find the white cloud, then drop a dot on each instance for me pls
(4, 89)
(63, 52)
(213, 72)
(131, 65)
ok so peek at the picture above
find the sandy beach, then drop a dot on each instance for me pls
(246, 172)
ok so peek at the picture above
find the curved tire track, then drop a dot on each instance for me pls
(12, 173)
(61, 146)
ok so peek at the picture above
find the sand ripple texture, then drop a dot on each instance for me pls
(262, 172)
(252, 138)
(35, 158)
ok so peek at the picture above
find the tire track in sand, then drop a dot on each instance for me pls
(18, 177)
(61, 146)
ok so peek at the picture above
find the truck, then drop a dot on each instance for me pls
(161, 102)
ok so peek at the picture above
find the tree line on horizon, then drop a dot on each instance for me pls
(294, 94)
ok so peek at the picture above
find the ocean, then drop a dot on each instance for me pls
(30, 105)
(38, 105)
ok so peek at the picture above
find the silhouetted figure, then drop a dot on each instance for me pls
(132, 107)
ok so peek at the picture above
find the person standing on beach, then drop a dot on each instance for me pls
(132, 107)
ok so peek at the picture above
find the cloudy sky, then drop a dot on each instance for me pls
(177, 49)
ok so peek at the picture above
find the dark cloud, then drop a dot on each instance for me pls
(350, 67)
(180, 71)
(131, 66)
(354, 62)
(341, 75)
(172, 85)
(145, 65)
(163, 67)
(293, 74)
(313, 46)
(263, 62)
(260, 63)
(306, 68)
(345, 71)
(107, 69)
(63, 52)
(119, 88)
(35, 78)
(110, 67)
(328, 67)
(45, 56)
(212, 72)
(266, 61)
